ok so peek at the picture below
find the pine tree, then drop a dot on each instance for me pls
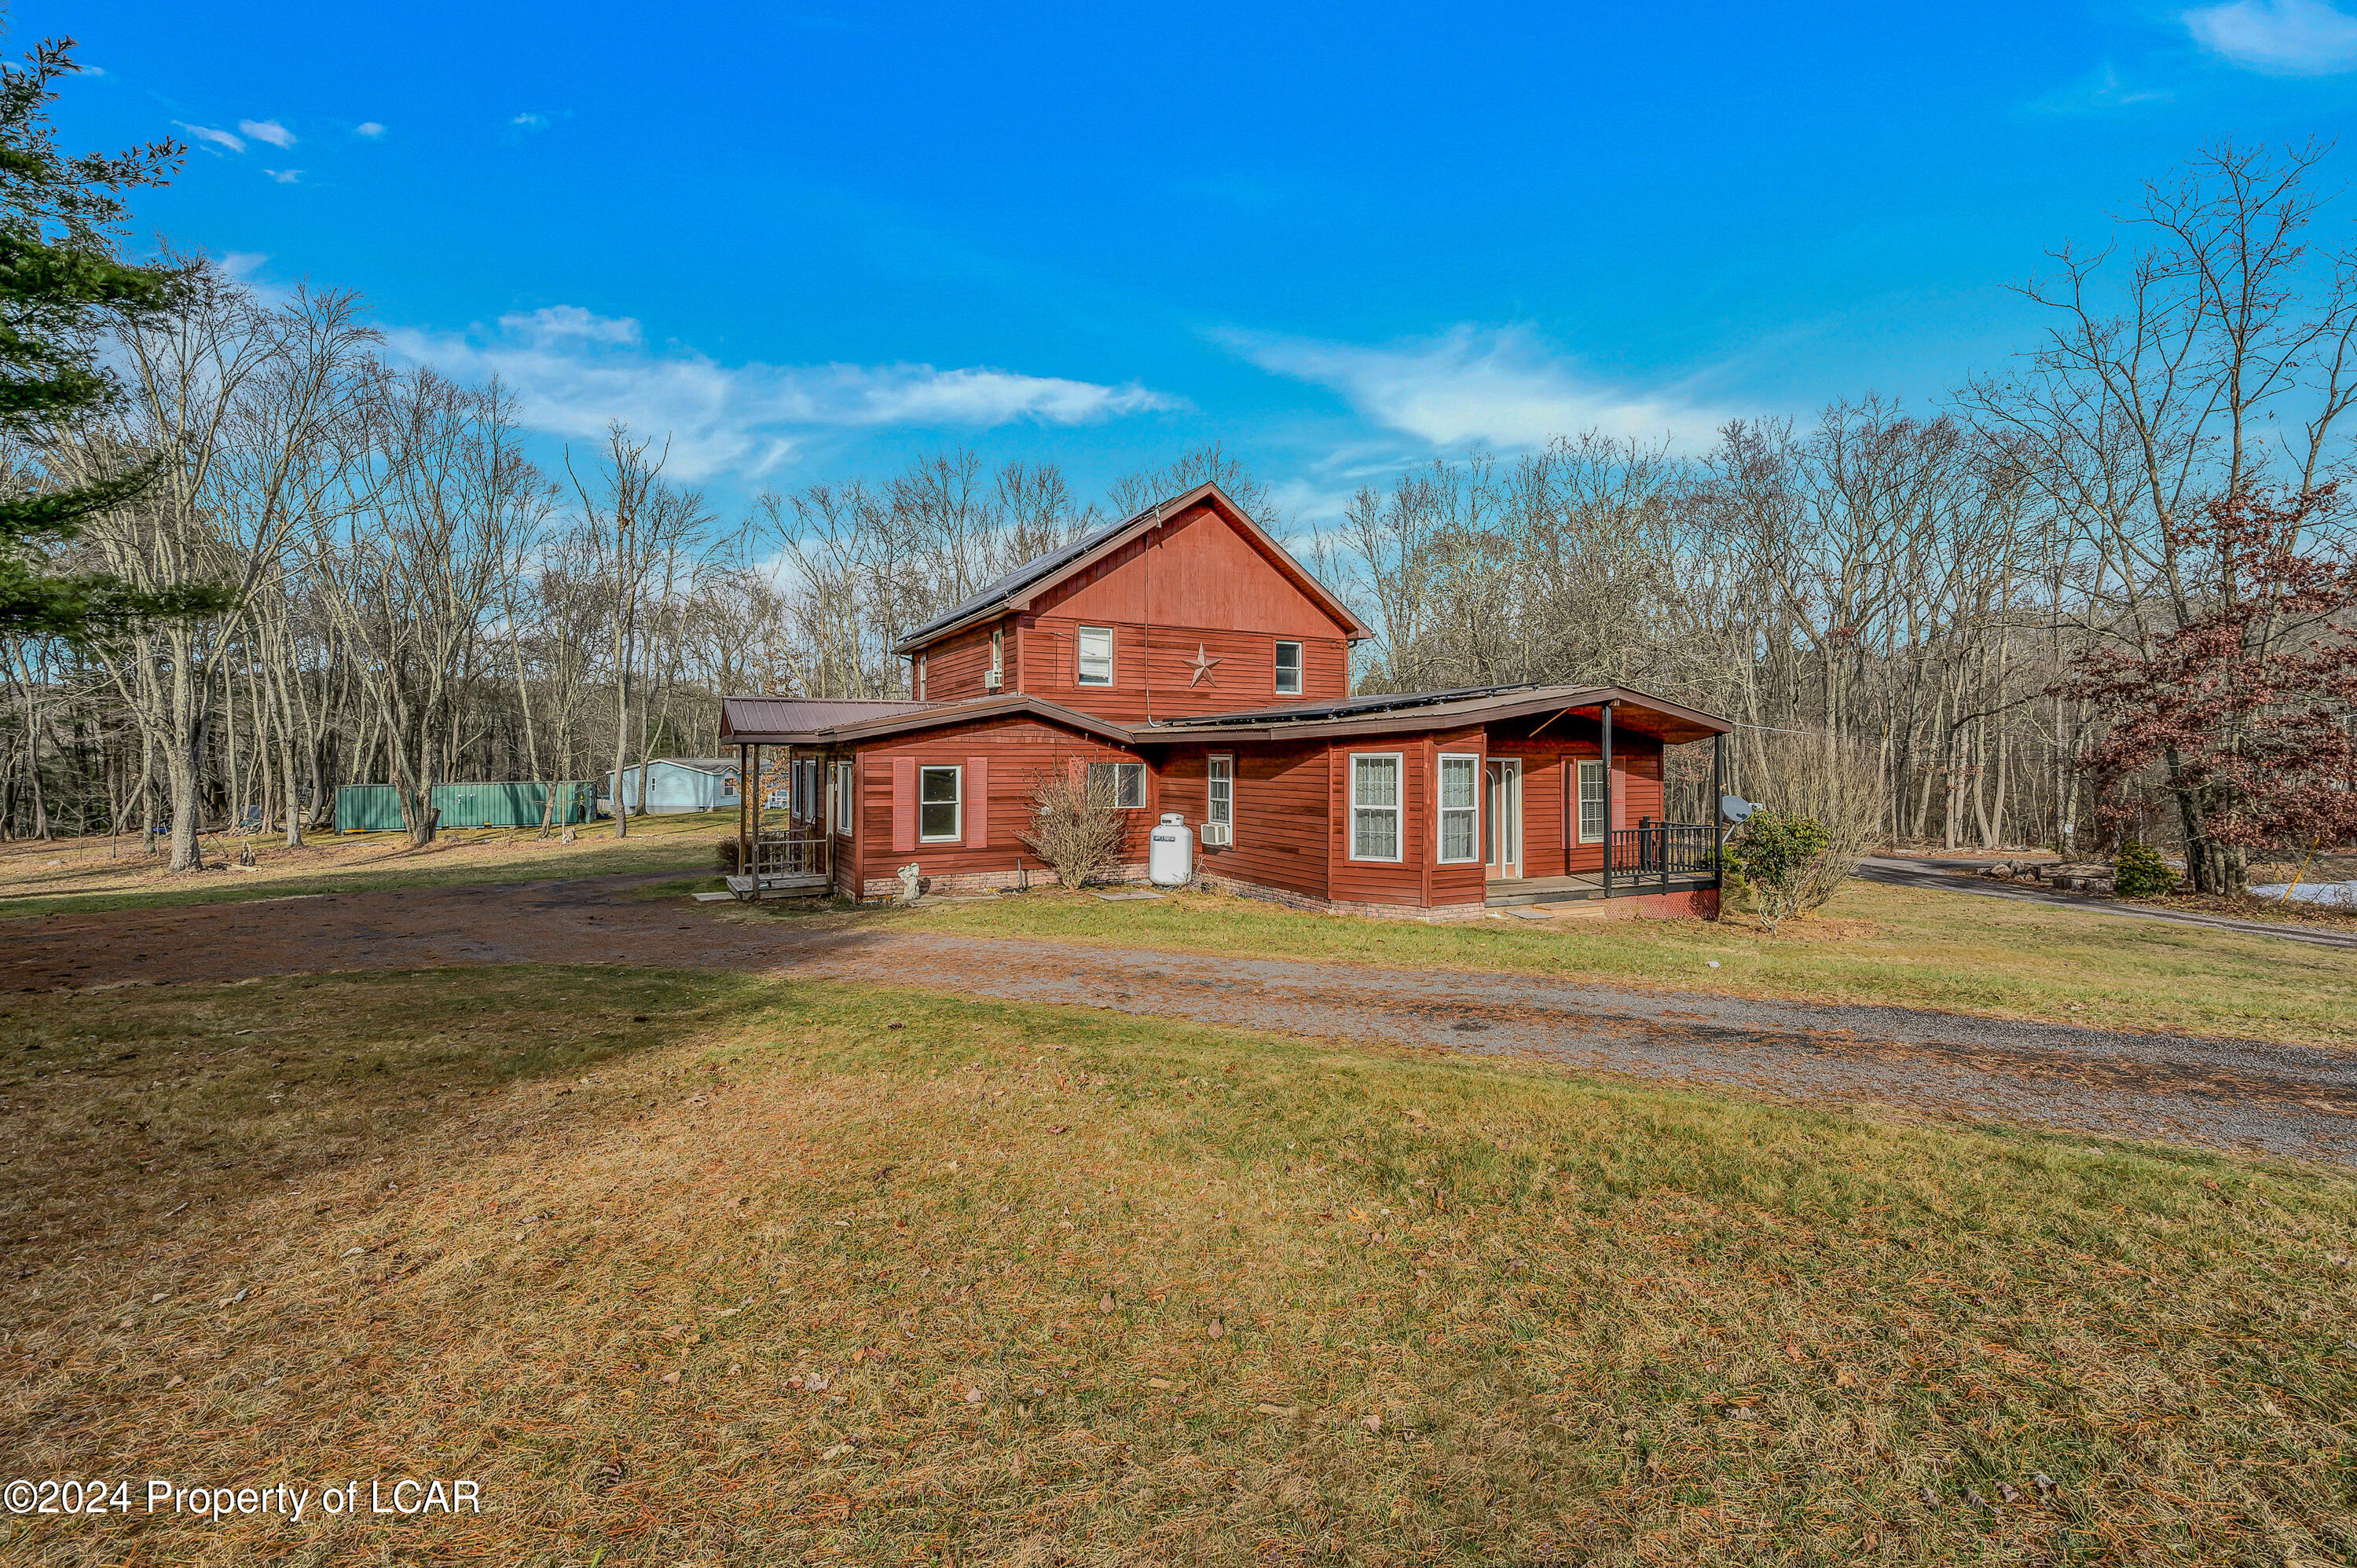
(60, 283)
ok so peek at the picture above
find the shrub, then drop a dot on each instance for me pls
(1832, 784)
(1073, 828)
(1778, 855)
(2141, 872)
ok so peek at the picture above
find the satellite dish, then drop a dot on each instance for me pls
(1735, 807)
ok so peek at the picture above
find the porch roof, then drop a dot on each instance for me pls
(782, 721)
(1398, 712)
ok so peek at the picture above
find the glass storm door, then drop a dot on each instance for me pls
(1501, 820)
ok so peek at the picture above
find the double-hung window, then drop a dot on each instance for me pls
(938, 792)
(1288, 669)
(1375, 806)
(997, 655)
(1096, 656)
(1460, 809)
(1221, 808)
(1591, 802)
(1118, 784)
(842, 797)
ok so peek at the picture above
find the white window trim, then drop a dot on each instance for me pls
(843, 774)
(1579, 802)
(957, 829)
(921, 678)
(1398, 808)
(1227, 822)
(998, 651)
(1300, 669)
(1441, 808)
(1080, 673)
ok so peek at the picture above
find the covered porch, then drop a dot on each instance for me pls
(1578, 803)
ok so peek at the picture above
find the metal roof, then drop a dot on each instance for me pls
(1018, 580)
(1402, 711)
(789, 715)
(748, 721)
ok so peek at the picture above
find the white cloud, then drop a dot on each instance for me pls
(270, 131)
(1500, 387)
(2281, 37)
(368, 128)
(557, 323)
(242, 263)
(89, 70)
(575, 371)
(206, 135)
(530, 122)
(285, 176)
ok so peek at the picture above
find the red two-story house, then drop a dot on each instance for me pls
(1192, 659)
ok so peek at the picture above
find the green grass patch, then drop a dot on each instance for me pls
(712, 1269)
(1909, 946)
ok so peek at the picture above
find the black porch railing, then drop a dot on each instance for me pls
(1652, 851)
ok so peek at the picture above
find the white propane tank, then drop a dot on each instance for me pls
(1170, 852)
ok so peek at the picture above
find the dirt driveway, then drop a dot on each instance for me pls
(2286, 1100)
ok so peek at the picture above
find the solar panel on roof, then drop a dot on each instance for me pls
(1352, 706)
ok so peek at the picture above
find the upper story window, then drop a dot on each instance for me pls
(1288, 669)
(1096, 656)
(920, 677)
(998, 651)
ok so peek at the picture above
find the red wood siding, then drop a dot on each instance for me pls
(1245, 676)
(1550, 790)
(1003, 758)
(1201, 573)
(1417, 878)
(1280, 811)
(955, 667)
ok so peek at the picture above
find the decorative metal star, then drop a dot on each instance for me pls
(1201, 665)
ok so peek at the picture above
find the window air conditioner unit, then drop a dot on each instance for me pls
(992, 680)
(1217, 836)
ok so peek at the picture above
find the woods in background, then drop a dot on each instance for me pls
(1950, 619)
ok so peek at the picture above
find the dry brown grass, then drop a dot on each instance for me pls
(74, 874)
(691, 1269)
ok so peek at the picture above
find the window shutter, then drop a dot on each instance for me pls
(904, 805)
(976, 805)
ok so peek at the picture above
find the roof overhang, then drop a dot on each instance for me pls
(1024, 594)
(1636, 711)
(933, 715)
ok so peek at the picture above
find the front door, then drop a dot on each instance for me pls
(1501, 818)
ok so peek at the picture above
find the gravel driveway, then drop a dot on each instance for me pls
(1964, 876)
(2286, 1100)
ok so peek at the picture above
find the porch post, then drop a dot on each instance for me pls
(744, 811)
(1608, 798)
(1717, 818)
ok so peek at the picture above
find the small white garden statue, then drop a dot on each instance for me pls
(908, 874)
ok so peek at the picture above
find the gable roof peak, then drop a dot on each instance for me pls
(1016, 590)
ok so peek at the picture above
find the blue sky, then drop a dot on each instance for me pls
(812, 242)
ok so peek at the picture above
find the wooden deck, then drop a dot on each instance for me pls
(790, 886)
(1506, 893)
